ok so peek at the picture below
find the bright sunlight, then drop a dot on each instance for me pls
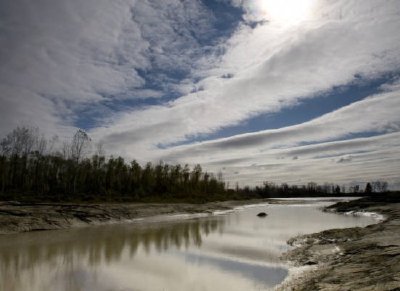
(287, 11)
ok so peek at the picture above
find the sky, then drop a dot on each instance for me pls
(261, 90)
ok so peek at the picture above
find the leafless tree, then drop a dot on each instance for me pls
(80, 144)
(385, 186)
(100, 151)
(354, 189)
(379, 186)
(21, 141)
(51, 145)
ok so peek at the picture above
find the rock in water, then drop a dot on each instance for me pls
(262, 214)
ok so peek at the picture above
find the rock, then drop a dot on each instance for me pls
(262, 214)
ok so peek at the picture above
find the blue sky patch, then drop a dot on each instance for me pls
(304, 111)
(225, 19)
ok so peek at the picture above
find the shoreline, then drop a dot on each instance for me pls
(18, 217)
(352, 258)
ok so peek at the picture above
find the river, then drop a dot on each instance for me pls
(225, 251)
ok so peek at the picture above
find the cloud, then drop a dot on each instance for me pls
(61, 60)
(374, 114)
(345, 160)
(274, 68)
(58, 57)
(281, 155)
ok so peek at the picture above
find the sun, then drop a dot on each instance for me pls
(286, 11)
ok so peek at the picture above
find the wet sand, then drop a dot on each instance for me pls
(350, 259)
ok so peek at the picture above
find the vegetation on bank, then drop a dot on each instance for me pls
(33, 168)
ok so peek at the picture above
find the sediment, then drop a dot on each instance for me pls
(353, 258)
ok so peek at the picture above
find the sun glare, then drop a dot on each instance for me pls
(286, 11)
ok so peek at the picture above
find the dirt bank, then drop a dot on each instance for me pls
(19, 217)
(351, 259)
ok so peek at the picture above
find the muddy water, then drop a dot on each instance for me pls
(228, 251)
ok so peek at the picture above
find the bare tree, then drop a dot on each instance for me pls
(379, 186)
(80, 144)
(66, 150)
(354, 189)
(21, 141)
(100, 151)
(52, 144)
(312, 187)
(385, 186)
(41, 144)
(326, 188)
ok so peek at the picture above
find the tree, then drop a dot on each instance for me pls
(80, 143)
(100, 151)
(21, 141)
(385, 186)
(368, 188)
(312, 187)
(379, 186)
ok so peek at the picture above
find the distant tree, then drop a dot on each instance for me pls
(385, 186)
(285, 188)
(312, 187)
(368, 188)
(354, 189)
(379, 186)
(326, 188)
(80, 144)
(100, 151)
(29, 169)
(21, 141)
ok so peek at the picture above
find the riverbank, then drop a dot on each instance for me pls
(354, 258)
(18, 217)
(338, 259)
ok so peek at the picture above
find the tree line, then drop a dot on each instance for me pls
(39, 169)
(31, 169)
(311, 189)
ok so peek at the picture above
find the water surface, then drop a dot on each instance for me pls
(231, 251)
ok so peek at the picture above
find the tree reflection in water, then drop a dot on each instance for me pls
(98, 245)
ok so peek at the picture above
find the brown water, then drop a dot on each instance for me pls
(231, 251)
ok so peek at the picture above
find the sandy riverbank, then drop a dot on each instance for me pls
(21, 217)
(350, 259)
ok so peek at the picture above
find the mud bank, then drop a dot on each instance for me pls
(19, 217)
(350, 259)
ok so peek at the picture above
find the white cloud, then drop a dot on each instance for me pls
(270, 153)
(274, 67)
(60, 56)
(65, 55)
